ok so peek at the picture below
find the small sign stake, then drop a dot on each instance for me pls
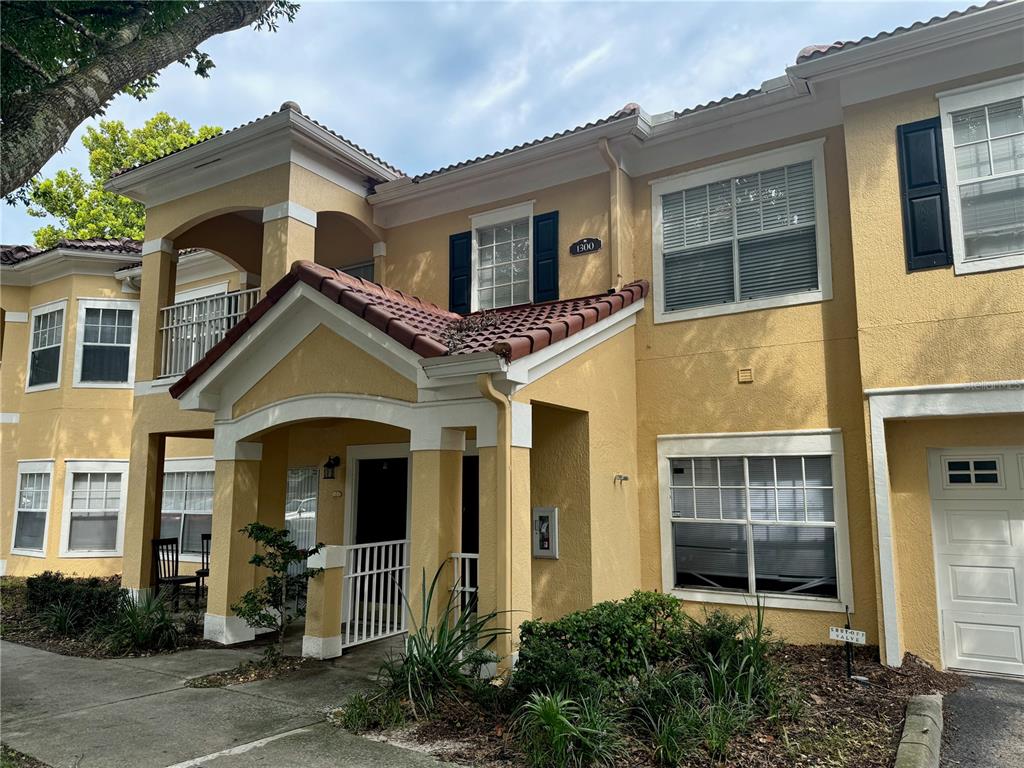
(849, 637)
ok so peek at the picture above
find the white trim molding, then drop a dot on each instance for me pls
(84, 303)
(809, 151)
(321, 647)
(506, 214)
(159, 245)
(820, 442)
(289, 210)
(226, 630)
(43, 309)
(15, 317)
(10, 418)
(25, 468)
(971, 97)
(111, 466)
(931, 401)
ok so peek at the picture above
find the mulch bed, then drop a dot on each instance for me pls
(12, 758)
(250, 671)
(844, 724)
(18, 625)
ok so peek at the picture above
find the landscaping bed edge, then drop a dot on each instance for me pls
(921, 743)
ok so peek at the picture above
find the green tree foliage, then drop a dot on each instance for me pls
(64, 60)
(82, 207)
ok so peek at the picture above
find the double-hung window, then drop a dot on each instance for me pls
(106, 343)
(45, 346)
(186, 510)
(31, 508)
(502, 256)
(747, 234)
(983, 142)
(755, 515)
(94, 504)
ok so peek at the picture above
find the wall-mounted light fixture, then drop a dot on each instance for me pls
(329, 467)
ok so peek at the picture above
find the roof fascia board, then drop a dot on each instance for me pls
(890, 50)
(64, 262)
(333, 146)
(406, 189)
(191, 267)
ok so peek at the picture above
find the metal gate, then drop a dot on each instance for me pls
(375, 582)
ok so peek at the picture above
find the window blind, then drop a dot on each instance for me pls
(742, 238)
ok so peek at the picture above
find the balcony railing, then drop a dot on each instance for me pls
(190, 329)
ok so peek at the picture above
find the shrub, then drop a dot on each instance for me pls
(139, 626)
(61, 618)
(559, 732)
(366, 712)
(441, 656)
(94, 599)
(603, 644)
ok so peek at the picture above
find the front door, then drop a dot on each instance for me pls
(978, 525)
(382, 496)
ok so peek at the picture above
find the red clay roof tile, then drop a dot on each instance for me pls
(426, 328)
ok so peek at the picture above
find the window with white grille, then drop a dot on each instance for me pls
(983, 142)
(766, 523)
(186, 511)
(45, 347)
(743, 235)
(32, 508)
(502, 257)
(105, 343)
(94, 508)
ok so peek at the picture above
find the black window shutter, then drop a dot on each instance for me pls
(460, 266)
(924, 195)
(545, 256)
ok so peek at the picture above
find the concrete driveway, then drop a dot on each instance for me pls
(984, 725)
(104, 713)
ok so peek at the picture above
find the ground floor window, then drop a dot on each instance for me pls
(32, 507)
(755, 514)
(186, 510)
(94, 503)
(303, 484)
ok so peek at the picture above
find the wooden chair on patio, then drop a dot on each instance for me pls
(204, 547)
(165, 556)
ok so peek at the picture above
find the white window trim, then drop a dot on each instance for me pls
(24, 468)
(954, 101)
(192, 464)
(489, 219)
(797, 443)
(91, 303)
(71, 466)
(43, 309)
(202, 292)
(813, 151)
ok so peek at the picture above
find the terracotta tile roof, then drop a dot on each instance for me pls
(627, 111)
(287, 105)
(15, 254)
(812, 52)
(430, 330)
(719, 102)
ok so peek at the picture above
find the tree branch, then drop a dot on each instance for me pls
(26, 62)
(42, 123)
(78, 26)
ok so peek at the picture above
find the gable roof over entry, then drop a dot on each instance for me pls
(427, 329)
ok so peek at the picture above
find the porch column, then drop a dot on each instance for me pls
(142, 521)
(159, 274)
(380, 252)
(322, 638)
(436, 530)
(235, 501)
(289, 235)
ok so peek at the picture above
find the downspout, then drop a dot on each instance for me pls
(503, 497)
(614, 222)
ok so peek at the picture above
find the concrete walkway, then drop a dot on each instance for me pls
(984, 725)
(110, 713)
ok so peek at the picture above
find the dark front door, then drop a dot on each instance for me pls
(471, 504)
(381, 499)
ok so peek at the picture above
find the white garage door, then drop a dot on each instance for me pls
(978, 524)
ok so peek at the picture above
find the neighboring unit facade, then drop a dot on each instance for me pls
(795, 372)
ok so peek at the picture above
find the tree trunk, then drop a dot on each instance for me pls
(42, 125)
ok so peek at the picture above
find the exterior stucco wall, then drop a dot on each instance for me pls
(417, 259)
(323, 362)
(907, 444)
(601, 383)
(928, 326)
(806, 376)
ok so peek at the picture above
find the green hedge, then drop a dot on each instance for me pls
(583, 651)
(94, 599)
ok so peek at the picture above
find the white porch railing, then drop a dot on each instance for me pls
(190, 329)
(376, 578)
(465, 580)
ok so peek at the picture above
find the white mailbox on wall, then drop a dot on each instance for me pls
(545, 532)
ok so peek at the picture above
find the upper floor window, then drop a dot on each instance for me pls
(106, 343)
(746, 234)
(364, 271)
(502, 249)
(983, 142)
(45, 346)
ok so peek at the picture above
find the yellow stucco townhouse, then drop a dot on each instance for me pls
(767, 347)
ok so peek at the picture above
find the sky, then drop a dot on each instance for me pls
(427, 84)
